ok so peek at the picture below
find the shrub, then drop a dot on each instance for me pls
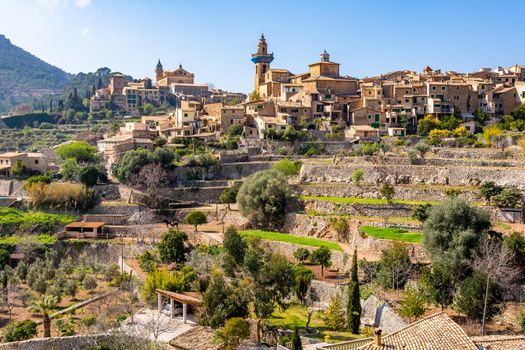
(509, 197)
(387, 191)
(147, 261)
(89, 282)
(301, 254)
(452, 192)
(421, 212)
(470, 298)
(422, 147)
(171, 246)
(334, 317)
(515, 243)
(234, 331)
(288, 167)
(45, 179)
(79, 150)
(21, 330)
(357, 176)
(413, 305)
(175, 281)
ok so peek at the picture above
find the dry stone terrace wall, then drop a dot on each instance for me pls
(485, 153)
(226, 171)
(76, 342)
(318, 226)
(429, 160)
(412, 174)
(409, 192)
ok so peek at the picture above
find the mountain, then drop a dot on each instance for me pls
(26, 78)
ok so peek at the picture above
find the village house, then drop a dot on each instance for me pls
(35, 162)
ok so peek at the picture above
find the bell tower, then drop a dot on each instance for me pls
(159, 71)
(262, 60)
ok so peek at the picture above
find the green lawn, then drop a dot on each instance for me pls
(286, 237)
(297, 314)
(356, 200)
(36, 239)
(393, 234)
(22, 219)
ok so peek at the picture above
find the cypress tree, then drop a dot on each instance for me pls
(296, 340)
(354, 299)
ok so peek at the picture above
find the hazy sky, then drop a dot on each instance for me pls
(214, 39)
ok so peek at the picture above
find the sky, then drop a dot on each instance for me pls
(214, 39)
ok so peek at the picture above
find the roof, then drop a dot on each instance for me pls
(11, 154)
(191, 298)
(363, 128)
(117, 138)
(197, 337)
(437, 331)
(500, 342)
(86, 224)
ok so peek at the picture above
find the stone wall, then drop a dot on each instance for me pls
(403, 192)
(318, 226)
(486, 153)
(226, 171)
(121, 208)
(77, 342)
(195, 194)
(413, 174)
(383, 210)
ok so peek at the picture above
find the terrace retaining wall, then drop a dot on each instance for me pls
(412, 174)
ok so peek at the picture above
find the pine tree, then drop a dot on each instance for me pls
(99, 84)
(296, 340)
(354, 299)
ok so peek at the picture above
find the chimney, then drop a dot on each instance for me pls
(377, 337)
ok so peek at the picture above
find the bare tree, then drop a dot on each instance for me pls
(158, 324)
(153, 179)
(498, 262)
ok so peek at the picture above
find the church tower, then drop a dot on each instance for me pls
(262, 60)
(159, 71)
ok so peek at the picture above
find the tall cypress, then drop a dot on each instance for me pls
(296, 340)
(353, 310)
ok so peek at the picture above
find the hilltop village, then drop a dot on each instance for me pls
(320, 211)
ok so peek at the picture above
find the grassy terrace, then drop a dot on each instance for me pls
(393, 234)
(12, 216)
(286, 237)
(35, 239)
(356, 200)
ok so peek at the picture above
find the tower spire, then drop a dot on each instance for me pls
(262, 60)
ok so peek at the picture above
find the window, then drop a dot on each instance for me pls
(370, 116)
(36, 161)
(443, 88)
(434, 88)
(377, 118)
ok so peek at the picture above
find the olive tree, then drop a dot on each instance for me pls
(262, 198)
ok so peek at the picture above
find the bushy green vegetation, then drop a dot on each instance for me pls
(36, 239)
(262, 198)
(393, 234)
(285, 237)
(12, 220)
(288, 167)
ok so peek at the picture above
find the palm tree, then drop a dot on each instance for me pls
(43, 306)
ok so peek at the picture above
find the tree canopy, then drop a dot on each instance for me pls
(262, 198)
